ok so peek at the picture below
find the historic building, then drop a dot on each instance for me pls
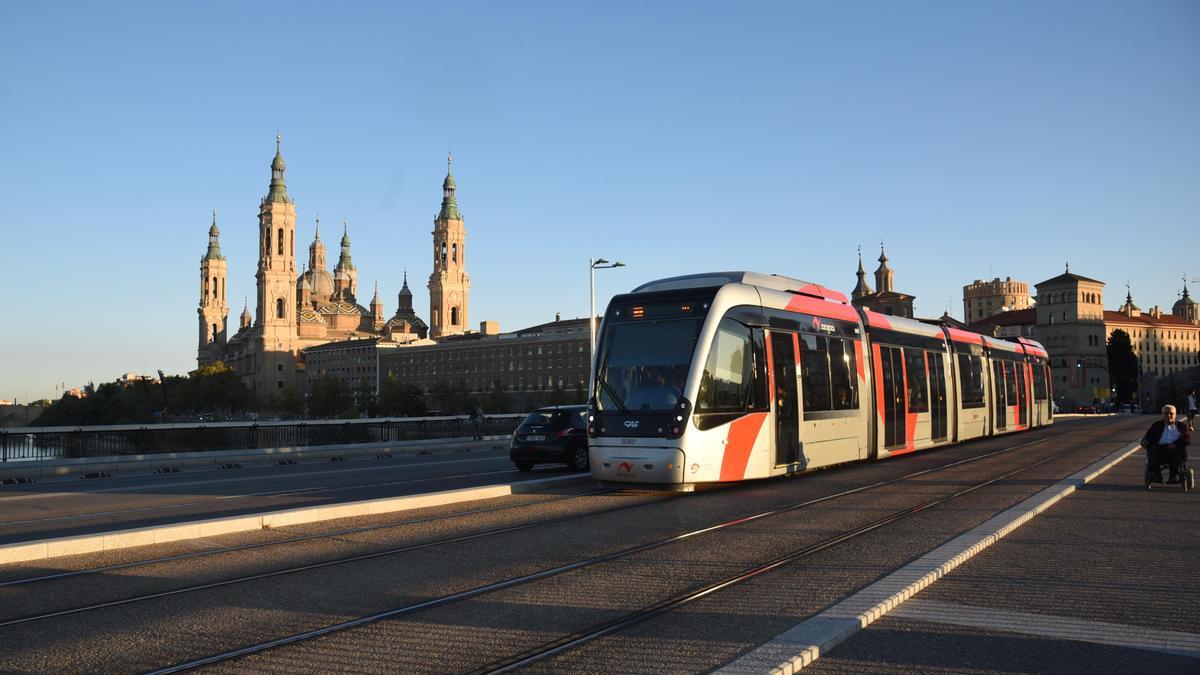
(982, 299)
(295, 310)
(1164, 343)
(1070, 324)
(886, 300)
(449, 284)
(532, 364)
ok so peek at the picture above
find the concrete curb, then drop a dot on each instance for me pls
(159, 534)
(796, 648)
(148, 463)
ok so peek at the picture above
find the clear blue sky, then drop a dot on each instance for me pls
(975, 138)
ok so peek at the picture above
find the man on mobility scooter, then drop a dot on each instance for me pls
(1166, 441)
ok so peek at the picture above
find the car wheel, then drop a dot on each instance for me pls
(579, 458)
(523, 466)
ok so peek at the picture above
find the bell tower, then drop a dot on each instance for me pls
(276, 308)
(213, 309)
(449, 284)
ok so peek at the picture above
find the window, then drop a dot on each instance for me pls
(279, 308)
(917, 380)
(279, 367)
(1039, 383)
(453, 316)
(970, 369)
(725, 385)
(843, 374)
(279, 241)
(814, 373)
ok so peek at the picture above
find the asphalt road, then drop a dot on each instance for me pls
(425, 556)
(72, 506)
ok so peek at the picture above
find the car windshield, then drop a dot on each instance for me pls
(643, 365)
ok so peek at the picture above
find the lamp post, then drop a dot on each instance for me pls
(593, 265)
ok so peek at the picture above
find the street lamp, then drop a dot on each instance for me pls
(593, 265)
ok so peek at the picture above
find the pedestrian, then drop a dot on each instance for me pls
(1166, 441)
(1191, 408)
(477, 422)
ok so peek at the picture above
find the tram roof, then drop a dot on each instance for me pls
(773, 281)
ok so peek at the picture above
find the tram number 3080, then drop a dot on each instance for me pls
(628, 441)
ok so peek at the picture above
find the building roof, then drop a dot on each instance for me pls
(1068, 276)
(1148, 320)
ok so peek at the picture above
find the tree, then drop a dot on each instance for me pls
(454, 398)
(498, 400)
(329, 396)
(365, 400)
(400, 399)
(1122, 366)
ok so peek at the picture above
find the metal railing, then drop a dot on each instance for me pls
(41, 443)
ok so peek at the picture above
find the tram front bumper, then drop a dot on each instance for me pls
(635, 464)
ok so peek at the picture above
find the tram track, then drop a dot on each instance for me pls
(630, 619)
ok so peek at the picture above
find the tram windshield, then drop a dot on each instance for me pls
(643, 365)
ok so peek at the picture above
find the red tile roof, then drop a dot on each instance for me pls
(1146, 319)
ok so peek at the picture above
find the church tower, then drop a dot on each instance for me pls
(345, 276)
(213, 309)
(884, 276)
(449, 284)
(277, 307)
(861, 289)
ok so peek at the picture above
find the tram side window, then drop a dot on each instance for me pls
(843, 374)
(971, 380)
(1039, 383)
(918, 380)
(725, 385)
(815, 373)
(1010, 382)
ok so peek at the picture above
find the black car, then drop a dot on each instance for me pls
(555, 434)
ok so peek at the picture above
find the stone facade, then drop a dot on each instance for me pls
(449, 285)
(1164, 343)
(531, 363)
(1070, 324)
(982, 299)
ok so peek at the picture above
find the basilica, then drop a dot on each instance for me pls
(296, 310)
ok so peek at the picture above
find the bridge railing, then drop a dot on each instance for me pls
(40, 443)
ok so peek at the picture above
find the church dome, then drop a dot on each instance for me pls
(319, 281)
(1183, 301)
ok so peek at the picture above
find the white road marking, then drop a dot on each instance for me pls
(807, 641)
(1050, 626)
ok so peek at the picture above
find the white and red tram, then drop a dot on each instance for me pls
(733, 376)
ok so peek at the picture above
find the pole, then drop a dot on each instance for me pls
(592, 312)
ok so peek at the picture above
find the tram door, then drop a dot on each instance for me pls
(891, 361)
(999, 402)
(937, 395)
(787, 408)
(1022, 396)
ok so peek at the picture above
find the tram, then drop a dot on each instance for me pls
(732, 376)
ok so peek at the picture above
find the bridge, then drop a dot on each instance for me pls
(1034, 552)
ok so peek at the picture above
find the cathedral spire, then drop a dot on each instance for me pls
(278, 191)
(861, 289)
(883, 274)
(214, 241)
(316, 250)
(449, 203)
